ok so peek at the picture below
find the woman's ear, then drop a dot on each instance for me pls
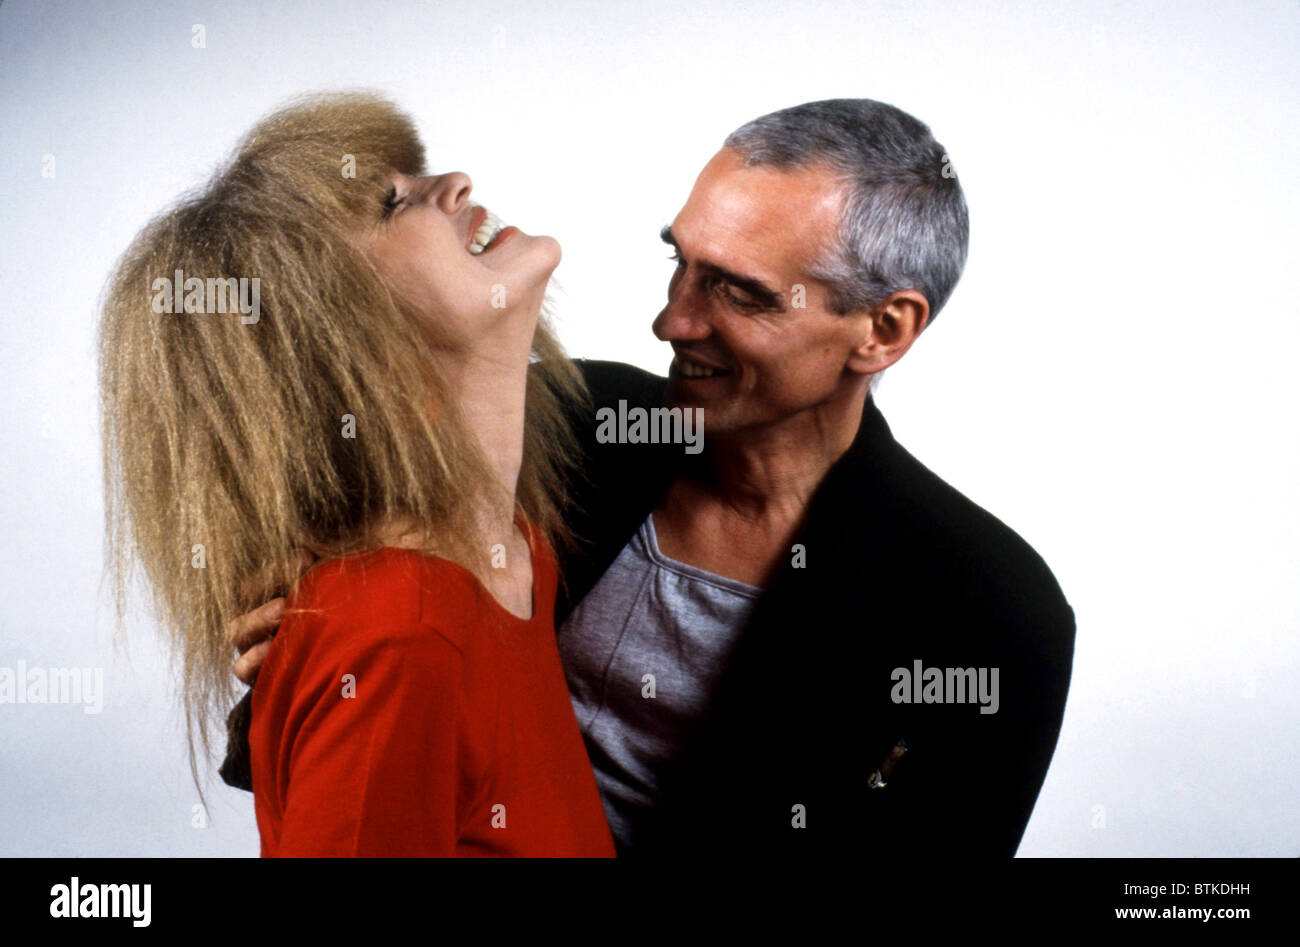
(889, 332)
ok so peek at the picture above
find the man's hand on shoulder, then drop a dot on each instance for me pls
(251, 632)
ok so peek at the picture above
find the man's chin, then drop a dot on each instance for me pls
(714, 416)
(675, 397)
(680, 393)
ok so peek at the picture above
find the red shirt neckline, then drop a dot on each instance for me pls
(537, 559)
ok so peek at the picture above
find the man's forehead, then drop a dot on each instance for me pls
(760, 217)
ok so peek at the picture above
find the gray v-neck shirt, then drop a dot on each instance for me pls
(642, 653)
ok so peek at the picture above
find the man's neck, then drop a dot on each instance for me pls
(738, 516)
(775, 471)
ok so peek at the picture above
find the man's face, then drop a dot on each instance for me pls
(746, 351)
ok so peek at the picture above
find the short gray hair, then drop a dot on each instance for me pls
(904, 224)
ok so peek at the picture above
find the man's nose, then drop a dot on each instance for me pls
(681, 319)
(450, 191)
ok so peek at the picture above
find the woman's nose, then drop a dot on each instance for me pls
(451, 191)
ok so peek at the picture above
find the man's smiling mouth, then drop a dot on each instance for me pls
(689, 368)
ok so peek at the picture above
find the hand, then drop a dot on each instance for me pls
(251, 632)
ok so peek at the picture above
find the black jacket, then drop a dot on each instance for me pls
(804, 749)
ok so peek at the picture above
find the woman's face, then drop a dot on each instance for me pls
(476, 283)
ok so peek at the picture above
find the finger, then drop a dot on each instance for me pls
(250, 662)
(251, 627)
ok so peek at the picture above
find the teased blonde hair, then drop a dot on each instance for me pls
(230, 435)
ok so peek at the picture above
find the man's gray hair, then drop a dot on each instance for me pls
(904, 225)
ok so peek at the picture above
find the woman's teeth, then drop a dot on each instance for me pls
(696, 370)
(484, 235)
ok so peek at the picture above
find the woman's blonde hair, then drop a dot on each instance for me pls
(226, 444)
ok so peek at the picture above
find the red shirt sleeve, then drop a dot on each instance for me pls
(355, 729)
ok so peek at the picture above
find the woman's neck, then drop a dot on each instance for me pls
(490, 394)
(489, 383)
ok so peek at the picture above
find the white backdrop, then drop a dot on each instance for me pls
(1112, 377)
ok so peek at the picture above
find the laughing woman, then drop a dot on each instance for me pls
(378, 412)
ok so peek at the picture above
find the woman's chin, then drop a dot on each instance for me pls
(553, 246)
(528, 284)
(542, 260)
(524, 259)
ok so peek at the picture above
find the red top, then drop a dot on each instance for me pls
(402, 711)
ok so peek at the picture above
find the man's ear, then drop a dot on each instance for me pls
(889, 332)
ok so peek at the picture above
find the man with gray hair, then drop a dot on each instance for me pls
(801, 640)
(782, 645)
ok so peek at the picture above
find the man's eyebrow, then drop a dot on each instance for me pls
(765, 296)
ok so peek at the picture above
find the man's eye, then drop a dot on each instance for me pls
(740, 302)
(677, 258)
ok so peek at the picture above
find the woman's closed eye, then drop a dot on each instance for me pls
(391, 203)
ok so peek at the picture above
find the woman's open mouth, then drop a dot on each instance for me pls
(491, 231)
